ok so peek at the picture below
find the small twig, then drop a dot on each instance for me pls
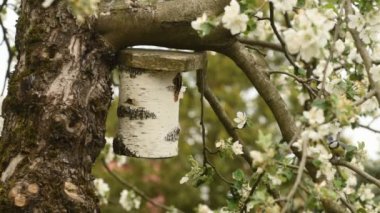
(226, 122)
(369, 128)
(298, 178)
(287, 20)
(360, 172)
(202, 90)
(291, 166)
(218, 174)
(282, 42)
(254, 186)
(201, 78)
(369, 95)
(263, 44)
(136, 190)
(348, 205)
(212, 152)
(299, 80)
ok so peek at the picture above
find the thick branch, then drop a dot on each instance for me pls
(163, 24)
(255, 69)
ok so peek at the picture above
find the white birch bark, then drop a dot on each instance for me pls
(148, 111)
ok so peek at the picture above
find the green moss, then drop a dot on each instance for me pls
(35, 34)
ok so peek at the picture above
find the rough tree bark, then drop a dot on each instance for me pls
(54, 113)
(59, 94)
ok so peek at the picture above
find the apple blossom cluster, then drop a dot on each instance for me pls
(129, 200)
(233, 20)
(227, 146)
(310, 33)
(198, 174)
(284, 5)
(102, 189)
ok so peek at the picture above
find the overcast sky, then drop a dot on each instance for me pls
(371, 140)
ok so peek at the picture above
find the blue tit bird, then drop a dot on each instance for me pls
(337, 148)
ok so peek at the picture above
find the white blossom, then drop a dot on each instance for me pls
(376, 52)
(356, 21)
(47, 3)
(204, 209)
(339, 46)
(241, 119)
(369, 106)
(237, 148)
(204, 193)
(182, 92)
(184, 179)
(309, 35)
(284, 5)
(365, 192)
(220, 144)
(327, 170)
(275, 180)
(233, 19)
(315, 116)
(257, 157)
(129, 200)
(375, 72)
(197, 24)
(1, 124)
(102, 189)
(350, 184)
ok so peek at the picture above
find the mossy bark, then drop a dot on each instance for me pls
(54, 113)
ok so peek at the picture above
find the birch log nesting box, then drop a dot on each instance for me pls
(148, 111)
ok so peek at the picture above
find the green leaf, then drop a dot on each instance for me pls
(239, 175)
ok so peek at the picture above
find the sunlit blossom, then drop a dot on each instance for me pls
(241, 119)
(237, 148)
(197, 24)
(314, 116)
(233, 20)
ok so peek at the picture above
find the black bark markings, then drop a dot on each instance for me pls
(176, 87)
(133, 72)
(139, 113)
(120, 149)
(173, 135)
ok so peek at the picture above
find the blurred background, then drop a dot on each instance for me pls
(159, 179)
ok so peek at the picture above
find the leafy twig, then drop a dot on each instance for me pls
(282, 42)
(254, 186)
(298, 178)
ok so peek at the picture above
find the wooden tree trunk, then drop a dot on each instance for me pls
(54, 113)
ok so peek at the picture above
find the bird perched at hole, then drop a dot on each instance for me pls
(337, 148)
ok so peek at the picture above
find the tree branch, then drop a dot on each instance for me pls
(262, 44)
(360, 172)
